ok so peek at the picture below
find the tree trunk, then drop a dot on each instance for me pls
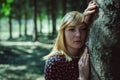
(40, 20)
(64, 5)
(53, 11)
(20, 31)
(48, 17)
(0, 30)
(104, 41)
(10, 25)
(35, 35)
(26, 17)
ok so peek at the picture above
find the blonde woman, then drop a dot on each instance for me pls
(69, 59)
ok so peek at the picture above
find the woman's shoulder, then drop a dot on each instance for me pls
(56, 59)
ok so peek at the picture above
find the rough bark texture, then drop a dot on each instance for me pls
(104, 41)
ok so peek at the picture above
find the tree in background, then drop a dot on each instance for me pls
(48, 9)
(40, 8)
(35, 32)
(64, 5)
(18, 13)
(54, 16)
(7, 11)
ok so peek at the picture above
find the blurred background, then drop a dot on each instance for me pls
(28, 29)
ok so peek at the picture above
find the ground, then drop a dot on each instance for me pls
(22, 60)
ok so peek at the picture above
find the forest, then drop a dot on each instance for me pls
(28, 29)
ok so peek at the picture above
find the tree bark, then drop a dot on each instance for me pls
(48, 12)
(10, 25)
(54, 16)
(0, 30)
(40, 20)
(26, 17)
(35, 35)
(104, 41)
(64, 5)
(20, 26)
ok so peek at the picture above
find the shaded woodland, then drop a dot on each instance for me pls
(37, 11)
(27, 32)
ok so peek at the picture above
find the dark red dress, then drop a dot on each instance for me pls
(57, 68)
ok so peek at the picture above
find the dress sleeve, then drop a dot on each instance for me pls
(51, 69)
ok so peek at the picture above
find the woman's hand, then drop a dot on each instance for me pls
(89, 11)
(83, 66)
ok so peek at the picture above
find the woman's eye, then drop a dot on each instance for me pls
(71, 29)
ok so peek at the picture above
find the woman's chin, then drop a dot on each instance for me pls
(78, 46)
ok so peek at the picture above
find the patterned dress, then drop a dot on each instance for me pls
(57, 68)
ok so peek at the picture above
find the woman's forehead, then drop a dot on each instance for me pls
(82, 25)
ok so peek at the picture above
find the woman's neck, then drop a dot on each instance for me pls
(75, 53)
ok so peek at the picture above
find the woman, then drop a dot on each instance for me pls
(69, 59)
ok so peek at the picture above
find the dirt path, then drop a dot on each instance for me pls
(22, 60)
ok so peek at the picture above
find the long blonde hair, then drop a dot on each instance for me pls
(70, 19)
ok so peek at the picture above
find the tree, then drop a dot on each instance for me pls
(54, 16)
(7, 11)
(17, 9)
(48, 9)
(104, 41)
(64, 5)
(35, 34)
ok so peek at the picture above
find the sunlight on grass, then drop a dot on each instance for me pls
(10, 72)
(11, 67)
(41, 78)
(18, 67)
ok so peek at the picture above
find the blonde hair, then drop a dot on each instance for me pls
(70, 19)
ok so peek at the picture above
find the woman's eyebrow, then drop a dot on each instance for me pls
(71, 26)
(83, 26)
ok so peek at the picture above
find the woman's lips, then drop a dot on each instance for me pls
(78, 42)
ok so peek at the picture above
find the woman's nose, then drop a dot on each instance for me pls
(78, 33)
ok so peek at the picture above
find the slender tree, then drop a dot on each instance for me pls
(48, 10)
(39, 11)
(17, 10)
(10, 26)
(7, 11)
(26, 18)
(35, 34)
(20, 26)
(54, 16)
(64, 7)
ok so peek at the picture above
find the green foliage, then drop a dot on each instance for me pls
(6, 7)
(9, 1)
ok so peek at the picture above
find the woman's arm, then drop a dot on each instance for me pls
(89, 12)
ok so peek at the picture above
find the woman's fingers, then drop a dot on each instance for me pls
(83, 57)
(91, 7)
(89, 12)
(92, 2)
(87, 59)
(84, 65)
(86, 50)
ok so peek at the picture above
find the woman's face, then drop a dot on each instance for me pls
(75, 36)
